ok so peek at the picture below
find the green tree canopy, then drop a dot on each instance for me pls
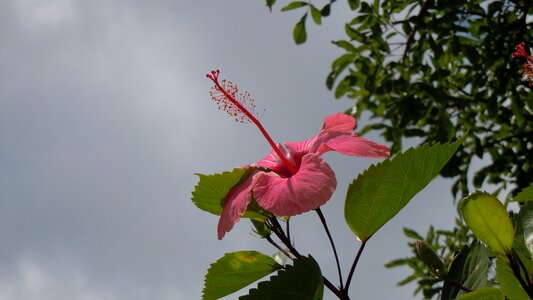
(436, 70)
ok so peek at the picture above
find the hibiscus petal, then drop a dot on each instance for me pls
(351, 144)
(336, 123)
(308, 189)
(339, 122)
(235, 206)
(274, 163)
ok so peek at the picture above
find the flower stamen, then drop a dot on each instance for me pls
(242, 107)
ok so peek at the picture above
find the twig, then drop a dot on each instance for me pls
(423, 10)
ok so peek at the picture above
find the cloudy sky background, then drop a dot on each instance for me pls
(105, 116)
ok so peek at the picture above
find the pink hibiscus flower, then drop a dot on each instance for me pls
(293, 178)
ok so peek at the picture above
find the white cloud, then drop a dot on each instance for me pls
(36, 282)
(45, 14)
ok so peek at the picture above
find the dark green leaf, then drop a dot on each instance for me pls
(294, 5)
(299, 34)
(270, 3)
(383, 190)
(431, 259)
(236, 270)
(316, 15)
(301, 281)
(410, 233)
(354, 4)
(526, 222)
(326, 10)
(455, 274)
(346, 45)
(469, 269)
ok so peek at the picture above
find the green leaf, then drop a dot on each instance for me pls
(487, 293)
(270, 3)
(299, 34)
(211, 190)
(354, 4)
(455, 274)
(469, 268)
(488, 219)
(384, 189)
(236, 270)
(294, 5)
(510, 286)
(431, 259)
(316, 15)
(476, 267)
(301, 281)
(410, 233)
(526, 222)
(525, 195)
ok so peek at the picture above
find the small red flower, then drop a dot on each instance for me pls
(527, 68)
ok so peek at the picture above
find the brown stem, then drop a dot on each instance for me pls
(410, 38)
(278, 231)
(461, 287)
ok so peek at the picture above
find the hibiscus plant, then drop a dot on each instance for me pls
(294, 179)
(494, 256)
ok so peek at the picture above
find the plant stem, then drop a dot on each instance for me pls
(278, 231)
(287, 228)
(524, 269)
(323, 221)
(516, 271)
(352, 270)
(461, 287)
(271, 241)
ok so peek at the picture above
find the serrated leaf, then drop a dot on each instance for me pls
(488, 219)
(294, 5)
(316, 15)
(299, 34)
(236, 270)
(384, 189)
(525, 194)
(488, 293)
(211, 190)
(509, 285)
(301, 281)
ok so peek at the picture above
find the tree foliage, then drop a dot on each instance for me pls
(435, 70)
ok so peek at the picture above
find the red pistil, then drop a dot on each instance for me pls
(243, 110)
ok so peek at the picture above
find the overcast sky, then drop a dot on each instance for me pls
(105, 116)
